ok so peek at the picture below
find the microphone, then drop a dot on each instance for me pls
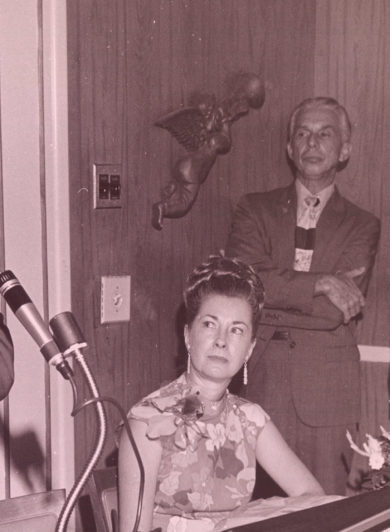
(29, 317)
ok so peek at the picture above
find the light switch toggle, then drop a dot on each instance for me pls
(104, 187)
(115, 298)
(115, 187)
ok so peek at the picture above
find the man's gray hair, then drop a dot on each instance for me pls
(322, 101)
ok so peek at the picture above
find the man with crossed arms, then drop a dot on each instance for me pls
(314, 251)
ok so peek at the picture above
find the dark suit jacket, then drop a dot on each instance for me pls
(325, 373)
(6, 360)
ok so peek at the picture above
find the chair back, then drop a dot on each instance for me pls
(104, 498)
(35, 512)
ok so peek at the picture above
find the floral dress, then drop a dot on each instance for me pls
(208, 464)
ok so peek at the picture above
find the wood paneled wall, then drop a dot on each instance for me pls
(351, 64)
(130, 62)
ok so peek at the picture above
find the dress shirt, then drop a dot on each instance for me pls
(309, 208)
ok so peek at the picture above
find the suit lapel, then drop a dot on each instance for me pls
(328, 223)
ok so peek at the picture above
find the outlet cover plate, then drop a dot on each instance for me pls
(115, 298)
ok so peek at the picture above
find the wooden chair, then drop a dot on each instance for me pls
(36, 512)
(104, 498)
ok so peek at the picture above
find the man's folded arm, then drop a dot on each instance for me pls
(292, 298)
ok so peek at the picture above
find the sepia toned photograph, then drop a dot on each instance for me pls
(194, 271)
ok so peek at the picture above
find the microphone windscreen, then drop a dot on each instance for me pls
(66, 331)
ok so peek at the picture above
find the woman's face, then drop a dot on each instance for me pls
(220, 337)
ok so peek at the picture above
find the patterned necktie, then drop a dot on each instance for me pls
(305, 233)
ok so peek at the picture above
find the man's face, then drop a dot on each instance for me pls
(316, 146)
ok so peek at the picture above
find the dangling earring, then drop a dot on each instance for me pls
(188, 362)
(245, 374)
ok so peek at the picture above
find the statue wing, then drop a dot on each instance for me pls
(188, 126)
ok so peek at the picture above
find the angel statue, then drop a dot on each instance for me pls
(203, 128)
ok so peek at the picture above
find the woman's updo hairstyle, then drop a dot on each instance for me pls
(224, 276)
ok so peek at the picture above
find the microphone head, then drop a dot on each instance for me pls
(7, 279)
(6, 276)
(12, 291)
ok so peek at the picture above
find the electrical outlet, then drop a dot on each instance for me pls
(115, 298)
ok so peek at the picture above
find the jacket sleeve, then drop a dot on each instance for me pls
(6, 360)
(289, 295)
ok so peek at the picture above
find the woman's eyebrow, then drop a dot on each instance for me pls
(239, 322)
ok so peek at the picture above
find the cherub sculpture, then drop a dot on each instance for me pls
(203, 128)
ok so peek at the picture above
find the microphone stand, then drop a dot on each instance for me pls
(94, 457)
(69, 338)
(68, 335)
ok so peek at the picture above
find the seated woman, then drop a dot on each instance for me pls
(198, 442)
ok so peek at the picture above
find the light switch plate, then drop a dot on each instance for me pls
(110, 176)
(115, 298)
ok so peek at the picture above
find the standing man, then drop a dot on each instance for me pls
(314, 251)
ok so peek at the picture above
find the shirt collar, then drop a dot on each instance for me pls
(303, 192)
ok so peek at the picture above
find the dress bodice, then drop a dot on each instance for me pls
(207, 465)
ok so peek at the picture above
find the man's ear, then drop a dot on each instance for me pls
(345, 152)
